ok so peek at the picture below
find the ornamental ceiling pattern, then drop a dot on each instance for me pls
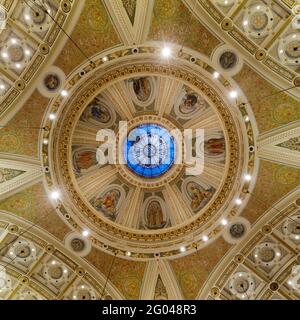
(248, 46)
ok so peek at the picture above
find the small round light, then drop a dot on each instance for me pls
(290, 282)
(53, 262)
(278, 254)
(182, 249)
(45, 141)
(247, 119)
(65, 271)
(27, 17)
(18, 65)
(27, 52)
(82, 287)
(2, 86)
(4, 55)
(297, 237)
(216, 75)
(245, 23)
(166, 52)
(224, 222)
(52, 116)
(280, 51)
(233, 94)
(248, 177)
(55, 195)
(13, 40)
(64, 93)
(104, 59)
(205, 238)
(238, 201)
(258, 7)
(128, 253)
(85, 233)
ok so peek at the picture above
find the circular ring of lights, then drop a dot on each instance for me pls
(104, 234)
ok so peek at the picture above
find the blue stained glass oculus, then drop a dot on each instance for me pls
(149, 150)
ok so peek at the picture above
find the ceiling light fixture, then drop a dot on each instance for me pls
(182, 249)
(64, 93)
(216, 75)
(85, 233)
(55, 195)
(224, 222)
(166, 52)
(104, 59)
(233, 94)
(205, 238)
(52, 116)
(238, 201)
(248, 177)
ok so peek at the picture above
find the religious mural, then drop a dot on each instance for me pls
(198, 195)
(189, 104)
(108, 203)
(52, 82)
(83, 159)
(142, 90)
(215, 146)
(228, 60)
(98, 113)
(154, 215)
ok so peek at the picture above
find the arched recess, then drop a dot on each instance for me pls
(37, 266)
(271, 273)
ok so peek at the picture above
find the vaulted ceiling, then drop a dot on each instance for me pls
(73, 229)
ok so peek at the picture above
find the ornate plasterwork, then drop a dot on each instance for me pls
(280, 145)
(151, 68)
(19, 79)
(25, 172)
(36, 266)
(160, 282)
(268, 256)
(131, 30)
(291, 144)
(261, 53)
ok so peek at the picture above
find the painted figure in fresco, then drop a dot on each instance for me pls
(215, 146)
(228, 60)
(191, 102)
(199, 196)
(108, 203)
(155, 219)
(52, 82)
(97, 111)
(142, 88)
(84, 159)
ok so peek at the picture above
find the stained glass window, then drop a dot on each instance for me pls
(149, 150)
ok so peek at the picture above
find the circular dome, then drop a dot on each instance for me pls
(149, 150)
(137, 163)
